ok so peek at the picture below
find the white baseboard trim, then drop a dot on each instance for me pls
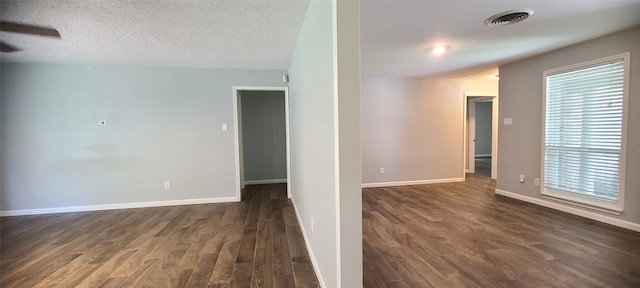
(483, 155)
(116, 206)
(267, 181)
(572, 210)
(411, 182)
(316, 268)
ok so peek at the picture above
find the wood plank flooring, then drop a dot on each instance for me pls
(462, 235)
(443, 235)
(255, 243)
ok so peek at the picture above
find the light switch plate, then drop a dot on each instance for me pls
(225, 127)
(508, 121)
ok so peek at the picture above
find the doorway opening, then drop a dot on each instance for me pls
(481, 136)
(261, 130)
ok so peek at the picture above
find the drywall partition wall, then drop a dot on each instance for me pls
(324, 113)
(263, 136)
(312, 138)
(347, 67)
(163, 124)
(1, 144)
(520, 144)
(483, 128)
(413, 127)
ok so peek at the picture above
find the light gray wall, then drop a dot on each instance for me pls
(164, 124)
(414, 127)
(263, 135)
(325, 161)
(521, 94)
(347, 59)
(483, 128)
(313, 166)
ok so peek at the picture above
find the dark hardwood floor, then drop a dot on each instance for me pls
(462, 235)
(442, 235)
(255, 243)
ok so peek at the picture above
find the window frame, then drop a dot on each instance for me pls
(586, 201)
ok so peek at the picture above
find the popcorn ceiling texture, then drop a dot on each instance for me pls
(207, 34)
(395, 34)
(262, 34)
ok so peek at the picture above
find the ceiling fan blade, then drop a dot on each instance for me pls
(4, 47)
(29, 29)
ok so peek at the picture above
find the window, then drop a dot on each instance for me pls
(584, 121)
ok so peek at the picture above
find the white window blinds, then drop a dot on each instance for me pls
(583, 130)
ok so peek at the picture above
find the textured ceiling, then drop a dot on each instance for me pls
(263, 33)
(213, 34)
(395, 34)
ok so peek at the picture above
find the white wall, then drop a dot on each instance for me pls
(163, 124)
(312, 158)
(520, 145)
(325, 162)
(263, 135)
(414, 127)
(347, 69)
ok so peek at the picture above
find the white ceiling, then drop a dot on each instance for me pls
(213, 34)
(262, 34)
(395, 34)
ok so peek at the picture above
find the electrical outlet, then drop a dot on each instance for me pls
(536, 182)
(521, 178)
(312, 228)
(381, 170)
(167, 185)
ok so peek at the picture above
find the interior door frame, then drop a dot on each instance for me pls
(470, 100)
(238, 136)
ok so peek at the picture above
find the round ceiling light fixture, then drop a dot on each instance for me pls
(508, 17)
(438, 49)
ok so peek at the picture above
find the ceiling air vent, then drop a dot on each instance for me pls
(508, 17)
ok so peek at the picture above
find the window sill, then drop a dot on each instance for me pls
(613, 208)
